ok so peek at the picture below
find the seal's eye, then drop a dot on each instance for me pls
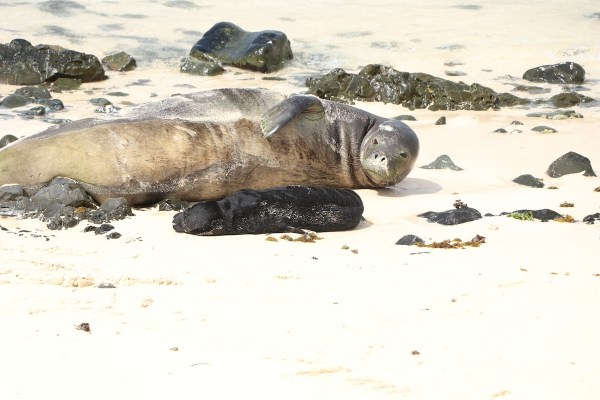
(375, 141)
(404, 155)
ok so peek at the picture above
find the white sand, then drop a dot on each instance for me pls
(243, 317)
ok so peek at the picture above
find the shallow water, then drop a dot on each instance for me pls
(487, 40)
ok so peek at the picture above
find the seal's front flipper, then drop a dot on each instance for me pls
(303, 107)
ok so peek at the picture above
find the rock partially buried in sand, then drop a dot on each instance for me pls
(529, 180)
(409, 240)
(543, 129)
(283, 209)
(452, 217)
(25, 64)
(442, 162)
(567, 72)
(570, 163)
(543, 215)
(563, 100)
(264, 51)
(557, 115)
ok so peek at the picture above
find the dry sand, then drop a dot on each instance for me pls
(351, 316)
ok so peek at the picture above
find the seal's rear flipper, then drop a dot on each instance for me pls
(305, 107)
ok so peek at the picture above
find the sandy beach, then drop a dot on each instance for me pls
(353, 315)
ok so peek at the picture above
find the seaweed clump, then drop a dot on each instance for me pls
(454, 243)
(522, 216)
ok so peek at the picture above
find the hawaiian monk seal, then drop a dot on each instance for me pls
(281, 209)
(207, 145)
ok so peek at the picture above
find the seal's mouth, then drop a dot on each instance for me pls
(386, 170)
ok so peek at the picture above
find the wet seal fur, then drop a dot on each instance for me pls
(207, 145)
(282, 209)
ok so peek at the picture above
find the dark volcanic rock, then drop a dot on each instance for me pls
(6, 139)
(570, 163)
(543, 215)
(442, 162)
(34, 91)
(200, 67)
(66, 84)
(544, 129)
(24, 64)
(441, 121)
(569, 99)
(119, 62)
(61, 193)
(589, 219)
(116, 208)
(412, 90)
(452, 217)
(557, 115)
(567, 72)
(11, 192)
(409, 240)
(529, 180)
(14, 101)
(264, 51)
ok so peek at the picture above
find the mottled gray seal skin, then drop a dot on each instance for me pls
(282, 209)
(207, 145)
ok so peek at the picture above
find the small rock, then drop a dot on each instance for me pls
(589, 219)
(66, 84)
(567, 72)
(557, 115)
(570, 163)
(100, 101)
(529, 180)
(409, 240)
(113, 235)
(405, 118)
(501, 130)
(563, 100)
(452, 217)
(36, 92)
(102, 229)
(119, 62)
(441, 121)
(14, 101)
(106, 286)
(200, 67)
(544, 129)
(442, 162)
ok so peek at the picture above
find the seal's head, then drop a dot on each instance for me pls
(388, 152)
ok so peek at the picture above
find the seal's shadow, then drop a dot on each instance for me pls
(410, 187)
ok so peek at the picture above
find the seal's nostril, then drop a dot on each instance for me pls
(382, 159)
(376, 155)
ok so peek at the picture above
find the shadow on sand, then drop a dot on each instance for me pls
(410, 187)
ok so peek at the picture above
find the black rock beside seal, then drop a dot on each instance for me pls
(283, 209)
(264, 51)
